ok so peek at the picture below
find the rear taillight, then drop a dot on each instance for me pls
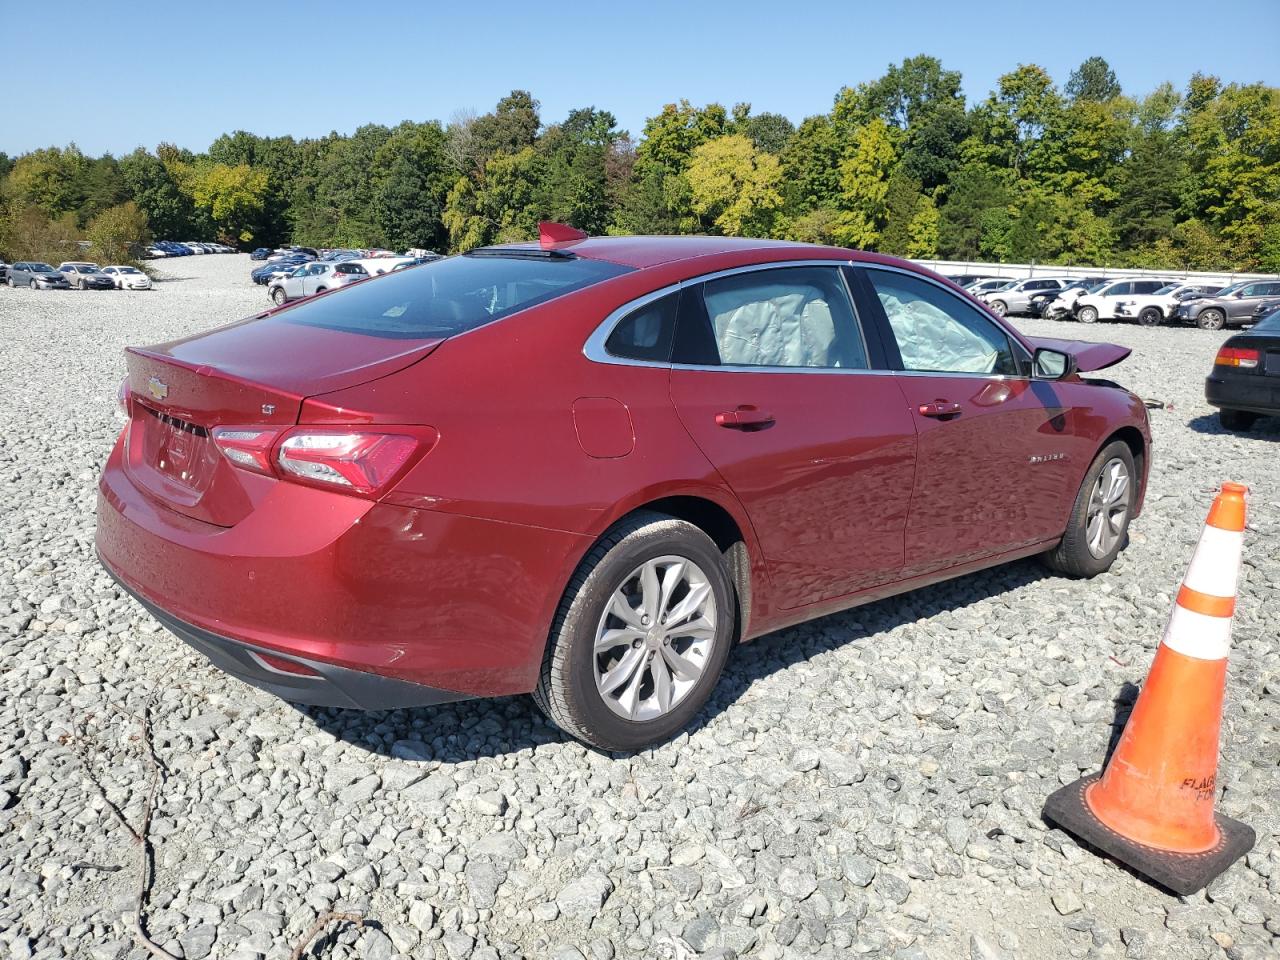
(357, 461)
(246, 447)
(122, 398)
(1236, 357)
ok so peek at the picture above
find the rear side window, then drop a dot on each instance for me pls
(646, 333)
(450, 296)
(784, 317)
(349, 268)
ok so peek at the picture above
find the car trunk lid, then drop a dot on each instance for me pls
(248, 374)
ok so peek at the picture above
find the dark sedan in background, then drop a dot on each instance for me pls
(1245, 382)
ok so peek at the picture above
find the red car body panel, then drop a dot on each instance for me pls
(451, 579)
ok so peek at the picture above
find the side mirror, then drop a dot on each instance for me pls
(1052, 364)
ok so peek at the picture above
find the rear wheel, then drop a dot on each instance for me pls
(1236, 419)
(1087, 314)
(279, 296)
(1150, 317)
(1099, 523)
(1211, 320)
(641, 635)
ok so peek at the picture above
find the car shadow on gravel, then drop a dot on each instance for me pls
(1266, 428)
(471, 729)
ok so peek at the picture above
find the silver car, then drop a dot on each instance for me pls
(86, 276)
(312, 278)
(1016, 298)
(37, 276)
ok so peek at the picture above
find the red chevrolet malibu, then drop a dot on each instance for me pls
(586, 468)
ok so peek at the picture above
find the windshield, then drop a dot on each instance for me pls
(128, 269)
(1233, 288)
(450, 296)
(1167, 288)
(42, 268)
(1270, 323)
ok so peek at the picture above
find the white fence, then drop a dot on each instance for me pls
(1020, 271)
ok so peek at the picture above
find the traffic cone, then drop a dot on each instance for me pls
(1152, 809)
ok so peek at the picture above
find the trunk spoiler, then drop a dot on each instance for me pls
(1088, 356)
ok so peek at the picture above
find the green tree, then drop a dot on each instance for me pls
(232, 197)
(500, 206)
(1093, 80)
(735, 186)
(511, 127)
(152, 186)
(922, 233)
(864, 186)
(412, 177)
(117, 233)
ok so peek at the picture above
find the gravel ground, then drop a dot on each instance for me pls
(865, 785)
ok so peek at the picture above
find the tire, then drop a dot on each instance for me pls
(279, 296)
(319, 289)
(33, 285)
(1236, 419)
(1087, 314)
(1078, 555)
(1212, 319)
(80, 285)
(999, 308)
(569, 689)
(1150, 317)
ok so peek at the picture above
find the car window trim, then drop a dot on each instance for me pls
(594, 348)
(1021, 351)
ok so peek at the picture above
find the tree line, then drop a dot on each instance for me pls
(1082, 174)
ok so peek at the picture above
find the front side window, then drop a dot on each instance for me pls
(938, 332)
(784, 317)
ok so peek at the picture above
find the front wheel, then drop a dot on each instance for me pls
(278, 295)
(1211, 320)
(999, 308)
(33, 285)
(641, 636)
(1099, 522)
(1150, 317)
(1087, 315)
(1236, 419)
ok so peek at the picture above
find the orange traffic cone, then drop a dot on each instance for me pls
(1152, 809)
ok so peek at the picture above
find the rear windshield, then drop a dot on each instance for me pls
(348, 268)
(449, 296)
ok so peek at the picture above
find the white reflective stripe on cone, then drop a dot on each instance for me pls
(1215, 566)
(1197, 635)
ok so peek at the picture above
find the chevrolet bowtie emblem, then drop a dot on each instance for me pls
(157, 388)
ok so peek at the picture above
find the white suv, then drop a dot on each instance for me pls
(1101, 304)
(1153, 309)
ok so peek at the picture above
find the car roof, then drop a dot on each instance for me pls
(642, 252)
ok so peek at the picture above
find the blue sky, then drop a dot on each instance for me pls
(185, 72)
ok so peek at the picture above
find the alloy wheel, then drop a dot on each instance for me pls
(1108, 508)
(655, 638)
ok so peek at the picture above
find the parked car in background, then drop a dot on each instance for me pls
(1100, 304)
(312, 278)
(357, 453)
(1016, 298)
(260, 254)
(1152, 309)
(1056, 304)
(967, 279)
(37, 276)
(378, 265)
(127, 278)
(274, 269)
(991, 284)
(1232, 306)
(415, 261)
(331, 256)
(1245, 381)
(86, 276)
(4, 272)
(1265, 309)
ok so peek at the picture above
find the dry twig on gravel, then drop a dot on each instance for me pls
(323, 921)
(146, 858)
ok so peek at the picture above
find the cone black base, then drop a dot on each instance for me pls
(1183, 873)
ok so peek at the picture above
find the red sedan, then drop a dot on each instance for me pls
(586, 468)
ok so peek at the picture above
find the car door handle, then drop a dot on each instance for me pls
(939, 408)
(746, 417)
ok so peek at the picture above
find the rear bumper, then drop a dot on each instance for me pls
(453, 606)
(315, 683)
(1248, 392)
